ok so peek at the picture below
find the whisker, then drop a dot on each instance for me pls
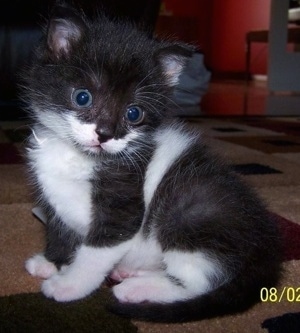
(167, 98)
(153, 85)
(147, 104)
(142, 97)
(146, 77)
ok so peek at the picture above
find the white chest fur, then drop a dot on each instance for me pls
(64, 175)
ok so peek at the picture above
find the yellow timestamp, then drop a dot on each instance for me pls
(274, 295)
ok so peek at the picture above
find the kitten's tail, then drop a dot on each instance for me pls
(225, 300)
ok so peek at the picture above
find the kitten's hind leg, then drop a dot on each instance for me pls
(152, 288)
(187, 275)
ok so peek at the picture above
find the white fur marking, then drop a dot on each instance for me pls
(86, 135)
(171, 143)
(64, 173)
(194, 269)
(114, 146)
(83, 133)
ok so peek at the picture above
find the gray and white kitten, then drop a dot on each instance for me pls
(130, 194)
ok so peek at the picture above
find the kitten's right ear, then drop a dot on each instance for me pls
(65, 29)
(172, 60)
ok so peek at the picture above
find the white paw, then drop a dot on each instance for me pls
(39, 266)
(63, 288)
(133, 290)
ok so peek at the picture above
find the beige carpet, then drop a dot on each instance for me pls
(270, 146)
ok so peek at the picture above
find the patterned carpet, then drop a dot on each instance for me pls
(265, 151)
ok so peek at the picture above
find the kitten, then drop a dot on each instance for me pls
(129, 192)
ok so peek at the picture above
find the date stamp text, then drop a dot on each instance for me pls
(274, 295)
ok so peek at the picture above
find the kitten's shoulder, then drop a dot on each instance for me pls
(177, 133)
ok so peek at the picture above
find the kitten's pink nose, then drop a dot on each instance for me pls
(104, 135)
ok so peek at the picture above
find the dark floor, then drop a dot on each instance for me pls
(237, 98)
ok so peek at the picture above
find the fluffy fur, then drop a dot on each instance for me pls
(129, 193)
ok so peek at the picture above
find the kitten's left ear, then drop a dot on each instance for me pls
(173, 59)
(65, 29)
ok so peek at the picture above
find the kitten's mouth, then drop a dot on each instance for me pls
(96, 144)
(94, 147)
(112, 146)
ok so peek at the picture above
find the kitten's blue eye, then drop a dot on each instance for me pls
(134, 115)
(82, 97)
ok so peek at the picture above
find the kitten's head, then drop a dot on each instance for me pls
(101, 84)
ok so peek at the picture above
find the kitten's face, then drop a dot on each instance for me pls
(101, 85)
(95, 118)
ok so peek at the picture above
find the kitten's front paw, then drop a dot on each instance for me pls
(39, 266)
(63, 288)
